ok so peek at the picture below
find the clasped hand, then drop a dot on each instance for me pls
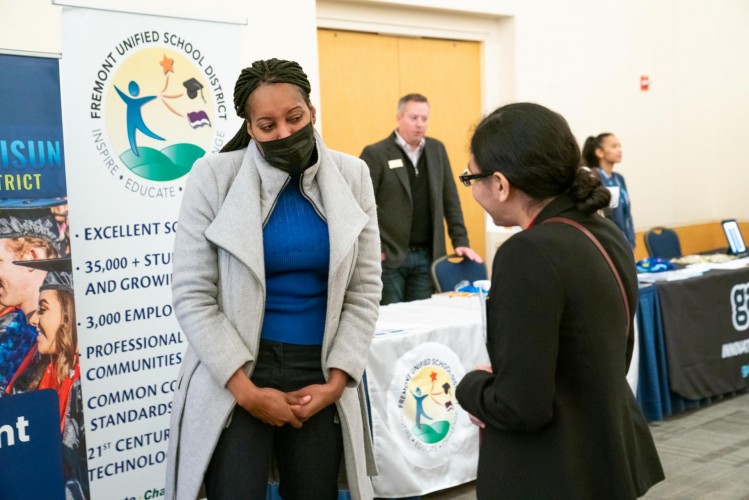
(278, 408)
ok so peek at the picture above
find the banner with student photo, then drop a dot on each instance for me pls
(41, 415)
(145, 97)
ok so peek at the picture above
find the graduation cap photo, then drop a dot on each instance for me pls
(37, 222)
(193, 87)
(59, 273)
(44, 218)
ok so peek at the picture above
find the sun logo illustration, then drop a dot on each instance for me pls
(159, 119)
(430, 406)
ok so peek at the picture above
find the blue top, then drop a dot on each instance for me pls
(621, 214)
(297, 260)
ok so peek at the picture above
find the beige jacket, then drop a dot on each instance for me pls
(218, 290)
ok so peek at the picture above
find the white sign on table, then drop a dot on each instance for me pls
(424, 440)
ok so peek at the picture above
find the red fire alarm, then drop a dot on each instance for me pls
(644, 82)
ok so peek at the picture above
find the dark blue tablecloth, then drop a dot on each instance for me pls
(652, 383)
(656, 399)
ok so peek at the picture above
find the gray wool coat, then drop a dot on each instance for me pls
(219, 298)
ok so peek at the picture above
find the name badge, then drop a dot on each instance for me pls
(395, 163)
(615, 194)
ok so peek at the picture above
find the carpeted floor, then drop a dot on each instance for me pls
(705, 454)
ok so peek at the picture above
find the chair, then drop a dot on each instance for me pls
(448, 272)
(663, 242)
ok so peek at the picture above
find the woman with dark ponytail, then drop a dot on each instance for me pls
(601, 153)
(276, 285)
(559, 419)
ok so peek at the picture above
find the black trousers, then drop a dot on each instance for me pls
(308, 459)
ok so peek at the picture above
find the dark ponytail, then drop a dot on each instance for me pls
(260, 73)
(588, 192)
(589, 149)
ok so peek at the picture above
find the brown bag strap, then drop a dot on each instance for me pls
(598, 245)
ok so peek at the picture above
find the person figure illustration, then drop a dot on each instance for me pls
(135, 114)
(419, 398)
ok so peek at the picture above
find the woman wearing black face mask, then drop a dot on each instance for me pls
(276, 284)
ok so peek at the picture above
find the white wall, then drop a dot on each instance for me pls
(711, 68)
(584, 59)
(30, 25)
(682, 139)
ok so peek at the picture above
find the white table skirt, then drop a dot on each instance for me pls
(421, 351)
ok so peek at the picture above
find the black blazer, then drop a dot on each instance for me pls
(561, 420)
(394, 203)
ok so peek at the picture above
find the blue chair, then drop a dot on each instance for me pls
(450, 270)
(663, 242)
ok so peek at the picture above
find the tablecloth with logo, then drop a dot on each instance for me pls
(706, 332)
(424, 440)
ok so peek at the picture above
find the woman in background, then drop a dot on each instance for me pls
(276, 285)
(601, 153)
(559, 418)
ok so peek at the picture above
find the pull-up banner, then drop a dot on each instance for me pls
(40, 419)
(144, 97)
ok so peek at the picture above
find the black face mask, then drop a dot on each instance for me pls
(291, 154)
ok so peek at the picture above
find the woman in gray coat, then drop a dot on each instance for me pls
(276, 284)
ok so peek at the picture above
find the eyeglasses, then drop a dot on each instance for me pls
(467, 177)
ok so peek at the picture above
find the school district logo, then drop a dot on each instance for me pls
(422, 410)
(160, 111)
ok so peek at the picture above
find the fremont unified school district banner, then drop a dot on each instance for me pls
(144, 97)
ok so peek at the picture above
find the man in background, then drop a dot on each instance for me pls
(416, 194)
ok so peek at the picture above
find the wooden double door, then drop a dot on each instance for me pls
(362, 76)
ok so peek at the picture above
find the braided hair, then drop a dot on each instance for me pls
(261, 73)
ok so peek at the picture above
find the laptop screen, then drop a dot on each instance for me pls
(733, 235)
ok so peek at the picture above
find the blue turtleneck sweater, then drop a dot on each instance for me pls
(297, 257)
